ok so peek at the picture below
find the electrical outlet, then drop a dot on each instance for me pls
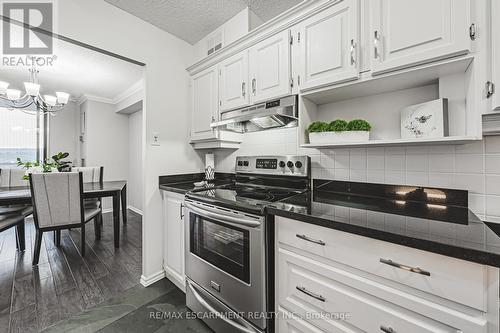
(155, 139)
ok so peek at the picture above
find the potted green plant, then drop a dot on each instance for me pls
(339, 131)
(56, 165)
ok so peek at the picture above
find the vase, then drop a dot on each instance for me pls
(339, 137)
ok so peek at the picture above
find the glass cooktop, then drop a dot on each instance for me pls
(245, 194)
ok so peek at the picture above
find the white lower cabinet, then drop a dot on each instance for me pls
(290, 323)
(173, 244)
(328, 289)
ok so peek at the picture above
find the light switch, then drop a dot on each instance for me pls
(155, 139)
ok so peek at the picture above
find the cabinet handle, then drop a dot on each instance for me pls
(376, 39)
(312, 240)
(387, 329)
(406, 268)
(254, 86)
(311, 294)
(353, 52)
(243, 90)
(181, 211)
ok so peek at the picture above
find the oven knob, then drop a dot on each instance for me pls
(245, 163)
(289, 164)
(282, 164)
(298, 164)
(240, 163)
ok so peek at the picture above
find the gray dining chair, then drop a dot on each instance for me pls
(14, 219)
(10, 177)
(92, 175)
(58, 204)
(14, 215)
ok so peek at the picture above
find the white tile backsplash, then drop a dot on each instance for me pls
(395, 162)
(417, 162)
(441, 163)
(492, 164)
(474, 167)
(469, 163)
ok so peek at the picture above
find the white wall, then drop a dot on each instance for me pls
(107, 142)
(167, 99)
(135, 175)
(63, 131)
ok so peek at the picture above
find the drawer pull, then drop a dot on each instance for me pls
(387, 329)
(406, 268)
(312, 240)
(310, 293)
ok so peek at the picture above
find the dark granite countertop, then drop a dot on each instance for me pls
(429, 219)
(183, 183)
(433, 220)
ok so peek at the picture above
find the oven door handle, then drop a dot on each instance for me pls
(217, 313)
(218, 215)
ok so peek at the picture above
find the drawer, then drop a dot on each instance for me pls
(337, 307)
(457, 280)
(293, 324)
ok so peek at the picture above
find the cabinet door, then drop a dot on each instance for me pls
(233, 82)
(496, 52)
(409, 32)
(329, 46)
(204, 104)
(174, 238)
(270, 68)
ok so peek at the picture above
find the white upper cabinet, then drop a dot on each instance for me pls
(205, 104)
(270, 68)
(409, 32)
(496, 51)
(233, 82)
(329, 43)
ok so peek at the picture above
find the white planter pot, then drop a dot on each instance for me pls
(339, 137)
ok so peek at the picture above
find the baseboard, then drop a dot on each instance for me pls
(135, 210)
(132, 208)
(149, 280)
(175, 278)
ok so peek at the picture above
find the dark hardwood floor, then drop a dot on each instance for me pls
(64, 283)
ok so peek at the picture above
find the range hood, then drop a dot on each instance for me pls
(277, 113)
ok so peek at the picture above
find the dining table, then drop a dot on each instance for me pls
(117, 190)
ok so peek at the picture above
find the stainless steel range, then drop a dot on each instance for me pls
(229, 242)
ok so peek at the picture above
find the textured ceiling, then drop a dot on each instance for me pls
(191, 20)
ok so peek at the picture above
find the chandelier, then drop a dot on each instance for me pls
(46, 103)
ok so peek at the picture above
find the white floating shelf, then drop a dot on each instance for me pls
(216, 144)
(403, 79)
(398, 142)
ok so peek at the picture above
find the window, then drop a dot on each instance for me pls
(21, 135)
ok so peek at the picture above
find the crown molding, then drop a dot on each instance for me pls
(136, 88)
(284, 21)
(93, 98)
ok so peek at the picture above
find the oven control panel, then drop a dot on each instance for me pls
(274, 165)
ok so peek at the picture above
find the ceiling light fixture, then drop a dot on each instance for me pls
(46, 104)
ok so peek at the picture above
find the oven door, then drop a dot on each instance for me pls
(225, 255)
